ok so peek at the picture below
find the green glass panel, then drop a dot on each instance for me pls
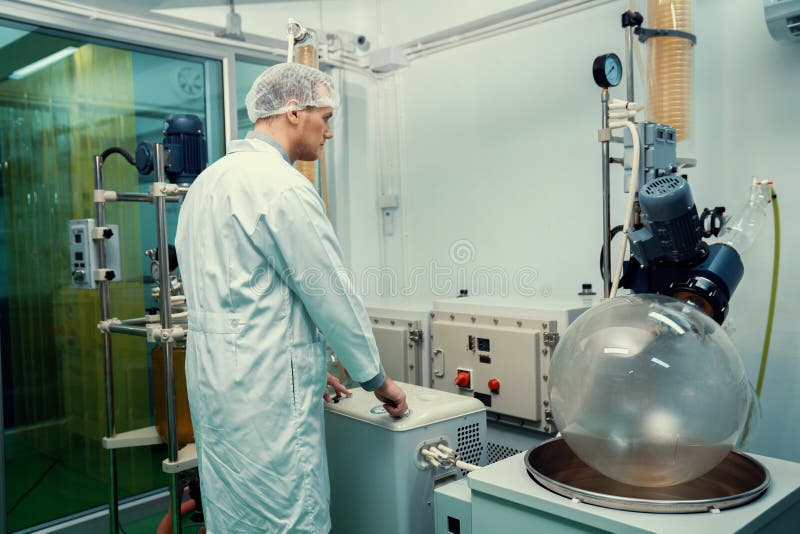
(246, 74)
(55, 118)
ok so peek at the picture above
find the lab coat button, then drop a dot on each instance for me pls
(235, 323)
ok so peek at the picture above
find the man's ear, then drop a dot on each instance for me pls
(293, 116)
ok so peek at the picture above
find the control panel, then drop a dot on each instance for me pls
(502, 361)
(83, 253)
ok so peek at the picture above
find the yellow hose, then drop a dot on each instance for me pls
(776, 214)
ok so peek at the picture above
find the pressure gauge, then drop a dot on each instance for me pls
(607, 70)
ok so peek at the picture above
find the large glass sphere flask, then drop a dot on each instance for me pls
(648, 390)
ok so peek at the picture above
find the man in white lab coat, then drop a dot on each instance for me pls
(263, 275)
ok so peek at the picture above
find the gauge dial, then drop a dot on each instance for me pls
(607, 70)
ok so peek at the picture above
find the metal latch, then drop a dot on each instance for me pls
(551, 338)
(415, 335)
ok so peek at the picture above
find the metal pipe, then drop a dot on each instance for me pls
(3, 509)
(528, 11)
(105, 314)
(606, 163)
(140, 331)
(629, 78)
(142, 197)
(134, 322)
(165, 305)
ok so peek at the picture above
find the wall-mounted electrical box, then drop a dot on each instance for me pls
(83, 253)
(499, 351)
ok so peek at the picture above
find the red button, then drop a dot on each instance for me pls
(462, 379)
(494, 385)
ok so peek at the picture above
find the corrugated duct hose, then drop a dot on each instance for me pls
(670, 66)
(307, 55)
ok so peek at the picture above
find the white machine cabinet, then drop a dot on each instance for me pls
(503, 498)
(402, 333)
(379, 482)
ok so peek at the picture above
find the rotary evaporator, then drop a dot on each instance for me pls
(648, 392)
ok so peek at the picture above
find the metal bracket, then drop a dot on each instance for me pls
(103, 275)
(646, 33)
(163, 189)
(551, 338)
(604, 134)
(101, 196)
(102, 232)
(105, 326)
(415, 335)
(156, 334)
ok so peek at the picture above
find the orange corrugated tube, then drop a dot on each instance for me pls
(670, 65)
(307, 55)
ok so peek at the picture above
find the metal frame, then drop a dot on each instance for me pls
(3, 514)
(165, 38)
(158, 196)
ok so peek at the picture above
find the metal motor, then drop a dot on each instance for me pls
(186, 146)
(672, 230)
(670, 256)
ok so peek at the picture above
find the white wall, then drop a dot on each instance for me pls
(500, 150)
(496, 153)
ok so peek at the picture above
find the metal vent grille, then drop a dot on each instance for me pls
(794, 24)
(497, 452)
(469, 444)
(662, 186)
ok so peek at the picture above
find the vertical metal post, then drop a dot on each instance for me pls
(629, 75)
(105, 314)
(3, 514)
(606, 163)
(165, 306)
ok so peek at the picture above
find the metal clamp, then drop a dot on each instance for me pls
(163, 189)
(156, 334)
(105, 326)
(102, 232)
(646, 33)
(415, 335)
(101, 196)
(604, 134)
(103, 275)
(551, 338)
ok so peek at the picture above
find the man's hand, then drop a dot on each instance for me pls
(338, 388)
(393, 397)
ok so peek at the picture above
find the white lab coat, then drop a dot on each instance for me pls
(262, 270)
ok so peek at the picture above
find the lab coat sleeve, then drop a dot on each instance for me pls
(300, 244)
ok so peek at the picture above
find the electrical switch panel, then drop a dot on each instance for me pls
(83, 254)
(499, 354)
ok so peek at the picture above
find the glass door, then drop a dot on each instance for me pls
(64, 99)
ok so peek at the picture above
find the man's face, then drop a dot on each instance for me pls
(314, 130)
